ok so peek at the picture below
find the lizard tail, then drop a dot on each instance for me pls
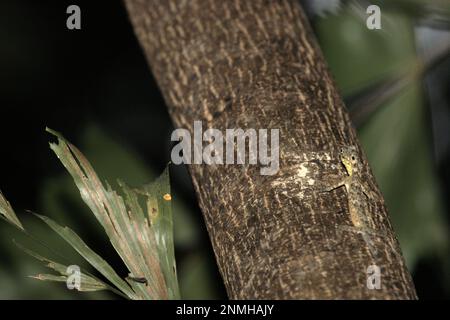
(369, 242)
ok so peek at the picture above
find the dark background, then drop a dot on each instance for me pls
(94, 86)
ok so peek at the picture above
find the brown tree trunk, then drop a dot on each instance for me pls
(255, 64)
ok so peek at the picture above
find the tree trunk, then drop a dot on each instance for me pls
(256, 64)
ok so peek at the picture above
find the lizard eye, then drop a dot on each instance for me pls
(353, 158)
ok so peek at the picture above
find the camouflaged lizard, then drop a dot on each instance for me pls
(358, 196)
(302, 176)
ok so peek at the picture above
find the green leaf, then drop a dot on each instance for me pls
(141, 234)
(88, 282)
(62, 202)
(7, 212)
(159, 213)
(87, 253)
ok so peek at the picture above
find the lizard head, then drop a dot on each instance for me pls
(349, 158)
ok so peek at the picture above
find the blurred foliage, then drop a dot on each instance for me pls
(110, 78)
(137, 221)
(61, 200)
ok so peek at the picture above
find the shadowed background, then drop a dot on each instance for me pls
(94, 86)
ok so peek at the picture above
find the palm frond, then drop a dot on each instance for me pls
(137, 221)
(7, 212)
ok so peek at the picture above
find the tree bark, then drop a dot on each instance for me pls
(256, 64)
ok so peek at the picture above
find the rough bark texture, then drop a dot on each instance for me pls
(255, 64)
